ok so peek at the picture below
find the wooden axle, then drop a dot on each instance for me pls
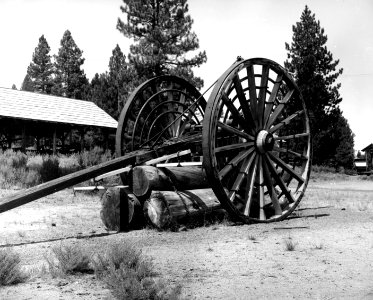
(145, 179)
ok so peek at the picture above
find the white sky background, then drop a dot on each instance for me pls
(225, 28)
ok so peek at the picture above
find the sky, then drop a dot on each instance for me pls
(226, 29)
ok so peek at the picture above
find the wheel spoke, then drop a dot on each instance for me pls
(293, 136)
(283, 150)
(261, 191)
(242, 174)
(235, 131)
(250, 188)
(234, 162)
(234, 147)
(252, 90)
(271, 190)
(286, 121)
(286, 167)
(170, 119)
(243, 102)
(262, 94)
(180, 109)
(279, 181)
(272, 98)
(279, 109)
(235, 113)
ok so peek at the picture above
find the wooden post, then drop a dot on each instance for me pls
(165, 209)
(148, 178)
(54, 141)
(81, 139)
(23, 145)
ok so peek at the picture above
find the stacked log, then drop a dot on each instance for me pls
(165, 197)
(146, 179)
(120, 209)
(168, 209)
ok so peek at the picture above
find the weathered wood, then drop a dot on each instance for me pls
(165, 209)
(118, 209)
(58, 184)
(145, 179)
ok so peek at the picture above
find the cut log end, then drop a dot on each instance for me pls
(120, 209)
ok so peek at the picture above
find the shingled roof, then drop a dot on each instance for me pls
(41, 107)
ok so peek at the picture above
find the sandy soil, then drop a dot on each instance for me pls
(332, 232)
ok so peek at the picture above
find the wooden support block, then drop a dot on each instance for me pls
(165, 209)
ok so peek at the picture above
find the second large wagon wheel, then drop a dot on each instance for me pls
(161, 111)
(256, 141)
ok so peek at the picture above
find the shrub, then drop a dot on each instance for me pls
(10, 269)
(93, 157)
(289, 244)
(49, 168)
(68, 259)
(130, 276)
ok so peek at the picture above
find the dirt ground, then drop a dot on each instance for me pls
(332, 232)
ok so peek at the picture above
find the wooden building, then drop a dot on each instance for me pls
(37, 121)
(369, 157)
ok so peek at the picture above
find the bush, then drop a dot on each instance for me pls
(20, 170)
(93, 157)
(130, 276)
(10, 269)
(68, 259)
(49, 169)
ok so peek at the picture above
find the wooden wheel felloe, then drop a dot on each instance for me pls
(256, 141)
(161, 111)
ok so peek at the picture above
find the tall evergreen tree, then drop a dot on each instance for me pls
(100, 95)
(162, 33)
(27, 84)
(40, 70)
(316, 72)
(70, 80)
(122, 79)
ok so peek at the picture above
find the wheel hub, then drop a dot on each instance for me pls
(264, 141)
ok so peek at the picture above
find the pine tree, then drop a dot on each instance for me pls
(122, 79)
(162, 33)
(70, 79)
(40, 70)
(315, 72)
(27, 84)
(100, 95)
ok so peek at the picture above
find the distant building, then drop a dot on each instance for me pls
(32, 121)
(368, 159)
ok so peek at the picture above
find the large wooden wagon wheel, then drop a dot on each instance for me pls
(161, 111)
(256, 141)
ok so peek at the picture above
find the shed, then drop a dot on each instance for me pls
(369, 157)
(27, 118)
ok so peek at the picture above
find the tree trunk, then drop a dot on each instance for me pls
(167, 209)
(120, 210)
(145, 179)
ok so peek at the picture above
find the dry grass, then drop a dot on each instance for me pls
(131, 276)
(68, 259)
(350, 193)
(10, 268)
(290, 244)
(123, 268)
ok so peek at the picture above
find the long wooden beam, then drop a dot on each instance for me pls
(61, 183)
(133, 158)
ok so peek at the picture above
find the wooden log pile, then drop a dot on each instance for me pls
(164, 197)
